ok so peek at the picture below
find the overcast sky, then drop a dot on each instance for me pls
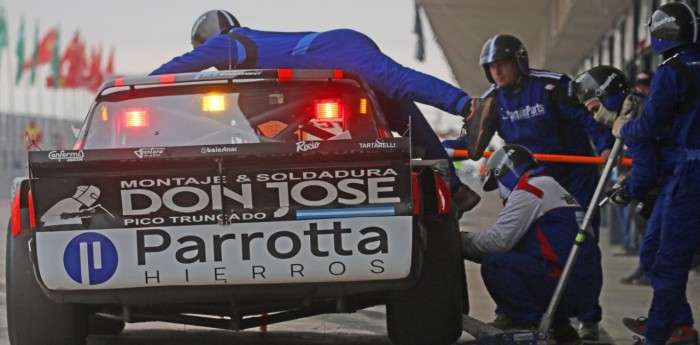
(147, 33)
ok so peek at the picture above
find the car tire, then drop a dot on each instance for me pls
(430, 312)
(32, 318)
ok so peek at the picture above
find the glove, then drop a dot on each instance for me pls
(618, 195)
(467, 110)
(617, 126)
(632, 107)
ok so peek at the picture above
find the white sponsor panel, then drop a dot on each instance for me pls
(303, 251)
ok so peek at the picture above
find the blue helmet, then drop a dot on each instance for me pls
(673, 25)
(502, 47)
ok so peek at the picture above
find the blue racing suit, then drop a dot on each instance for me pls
(337, 49)
(523, 255)
(532, 115)
(680, 221)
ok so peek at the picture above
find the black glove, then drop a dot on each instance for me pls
(618, 195)
(466, 110)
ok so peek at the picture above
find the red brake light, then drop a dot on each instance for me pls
(136, 118)
(328, 109)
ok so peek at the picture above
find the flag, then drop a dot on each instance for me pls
(3, 30)
(20, 52)
(109, 70)
(55, 60)
(34, 55)
(72, 65)
(45, 48)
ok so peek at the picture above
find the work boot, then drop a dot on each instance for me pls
(588, 331)
(637, 326)
(683, 335)
(566, 335)
(464, 199)
(506, 323)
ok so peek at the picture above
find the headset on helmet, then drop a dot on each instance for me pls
(211, 23)
(606, 83)
(673, 25)
(501, 47)
(506, 165)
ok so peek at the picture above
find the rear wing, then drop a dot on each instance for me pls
(220, 184)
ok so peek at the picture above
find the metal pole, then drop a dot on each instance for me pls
(546, 321)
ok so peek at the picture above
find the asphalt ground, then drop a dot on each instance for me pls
(368, 326)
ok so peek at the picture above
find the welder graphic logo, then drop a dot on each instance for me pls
(90, 258)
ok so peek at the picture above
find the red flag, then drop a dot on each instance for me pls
(44, 49)
(109, 70)
(73, 63)
(95, 77)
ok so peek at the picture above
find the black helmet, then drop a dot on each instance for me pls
(212, 22)
(507, 164)
(501, 47)
(673, 25)
(606, 83)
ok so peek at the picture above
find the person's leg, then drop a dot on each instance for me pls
(678, 241)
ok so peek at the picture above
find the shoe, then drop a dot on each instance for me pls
(564, 336)
(464, 199)
(642, 281)
(637, 326)
(504, 322)
(683, 335)
(588, 331)
(636, 278)
(625, 251)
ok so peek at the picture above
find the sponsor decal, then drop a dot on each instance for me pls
(303, 251)
(68, 156)
(599, 91)
(663, 21)
(90, 259)
(227, 73)
(224, 149)
(72, 211)
(303, 146)
(528, 112)
(378, 144)
(149, 152)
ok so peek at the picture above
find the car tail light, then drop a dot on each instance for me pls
(105, 113)
(328, 109)
(363, 106)
(136, 118)
(213, 103)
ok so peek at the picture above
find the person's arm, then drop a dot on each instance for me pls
(217, 51)
(663, 99)
(520, 212)
(646, 167)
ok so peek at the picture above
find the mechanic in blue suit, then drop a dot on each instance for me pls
(522, 256)
(219, 41)
(672, 103)
(536, 112)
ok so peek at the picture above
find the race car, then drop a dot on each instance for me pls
(233, 199)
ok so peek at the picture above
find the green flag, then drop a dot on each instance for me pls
(35, 55)
(20, 52)
(55, 61)
(3, 29)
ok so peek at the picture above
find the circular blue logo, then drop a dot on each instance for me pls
(90, 258)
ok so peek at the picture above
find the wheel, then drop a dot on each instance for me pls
(32, 318)
(430, 312)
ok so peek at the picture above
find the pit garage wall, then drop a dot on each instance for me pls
(57, 134)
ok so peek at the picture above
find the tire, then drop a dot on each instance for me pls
(32, 318)
(430, 312)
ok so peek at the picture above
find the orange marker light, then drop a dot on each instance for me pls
(213, 102)
(328, 109)
(105, 114)
(363, 106)
(136, 118)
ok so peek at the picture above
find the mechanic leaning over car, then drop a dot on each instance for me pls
(673, 104)
(535, 111)
(522, 256)
(219, 41)
(603, 90)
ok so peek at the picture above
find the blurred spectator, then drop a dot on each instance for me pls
(32, 136)
(642, 82)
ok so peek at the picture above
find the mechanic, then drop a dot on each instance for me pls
(523, 254)
(536, 112)
(672, 103)
(219, 41)
(653, 164)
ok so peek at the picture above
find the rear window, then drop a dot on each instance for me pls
(232, 113)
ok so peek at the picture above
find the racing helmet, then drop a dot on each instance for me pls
(211, 23)
(506, 165)
(501, 47)
(607, 83)
(87, 195)
(673, 25)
